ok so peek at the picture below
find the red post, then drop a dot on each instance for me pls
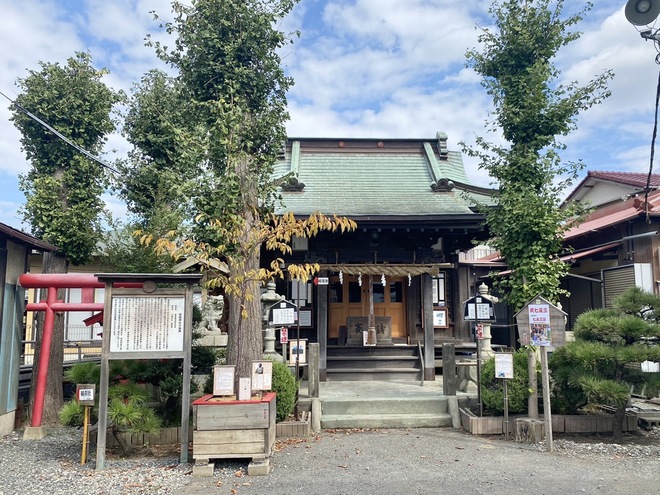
(44, 357)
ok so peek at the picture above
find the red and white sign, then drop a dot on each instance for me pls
(284, 335)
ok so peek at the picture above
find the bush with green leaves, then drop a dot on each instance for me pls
(492, 389)
(286, 387)
(602, 365)
(73, 414)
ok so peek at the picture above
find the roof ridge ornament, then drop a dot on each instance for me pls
(443, 185)
(292, 184)
(442, 144)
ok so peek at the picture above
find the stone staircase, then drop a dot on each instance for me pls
(387, 362)
(428, 410)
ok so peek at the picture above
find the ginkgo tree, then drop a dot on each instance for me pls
(232, 90)
(63, 186)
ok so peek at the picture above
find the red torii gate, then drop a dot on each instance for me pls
(53, 282)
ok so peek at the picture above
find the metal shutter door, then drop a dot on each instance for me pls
(616, 281)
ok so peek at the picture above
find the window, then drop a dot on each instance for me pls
(396, 292)
(336, 292)
(354, 292)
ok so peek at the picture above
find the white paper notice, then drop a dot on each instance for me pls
(149, 324)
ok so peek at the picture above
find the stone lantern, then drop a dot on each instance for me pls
(485, 342)
(269, 298)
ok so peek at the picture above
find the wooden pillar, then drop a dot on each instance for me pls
(449, 378)
(429, 334)
(322, 327)
(313, 371)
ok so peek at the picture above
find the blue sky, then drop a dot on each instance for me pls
(362, 68)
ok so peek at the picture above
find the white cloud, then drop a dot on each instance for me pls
(362, 68)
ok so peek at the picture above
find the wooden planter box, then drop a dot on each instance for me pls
(487, 425)
(164, 436)
(494, 425)
(225, 429)
(294, 429)
(590, 423)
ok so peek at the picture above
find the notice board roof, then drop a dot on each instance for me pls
(172, 278)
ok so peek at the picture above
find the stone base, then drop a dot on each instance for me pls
(7, 423)
(203, 469)
(259, 467)
(34, 432)
(213, 339)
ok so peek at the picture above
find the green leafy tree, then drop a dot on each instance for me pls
(230, 75)
(63, 187)
(531, 110)
(160, 173)
(602, 365)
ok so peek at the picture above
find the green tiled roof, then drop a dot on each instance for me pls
(371, 177)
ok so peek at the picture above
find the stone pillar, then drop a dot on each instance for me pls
(269, 298)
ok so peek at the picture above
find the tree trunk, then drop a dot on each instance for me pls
(617, 422)
(54, 396)
(245, 339)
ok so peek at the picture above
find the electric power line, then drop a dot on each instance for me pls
(60, 135)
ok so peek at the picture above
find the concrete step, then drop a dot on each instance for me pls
(385, 406)
(390, 350)
(380, 362)
(386, 421)
(373, 374)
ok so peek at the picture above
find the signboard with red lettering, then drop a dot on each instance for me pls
(539, 324)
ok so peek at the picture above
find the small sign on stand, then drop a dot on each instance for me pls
(86, 396)
(244, 388)
(504, 371)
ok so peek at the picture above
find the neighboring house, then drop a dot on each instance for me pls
(15, 250)
(415, 210)
(616, 246)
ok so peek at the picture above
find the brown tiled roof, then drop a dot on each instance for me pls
(616, 213)
(19, 236)
(635, 179)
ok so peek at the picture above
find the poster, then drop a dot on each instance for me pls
(440, 318)
(504, 365)
(539, 324)
(223, 380)
(262, 375)
(298, 348)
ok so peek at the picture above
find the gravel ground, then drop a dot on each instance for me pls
(420, 461)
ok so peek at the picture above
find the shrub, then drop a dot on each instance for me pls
(492, 390)
(89, 372)
(286, 387)
(72, 414)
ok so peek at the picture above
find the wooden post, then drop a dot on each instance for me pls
(429, 333)
(449, 369)
(85, 440)
(547, 413)
(533, 399)
(322, 328)
(313, 370)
